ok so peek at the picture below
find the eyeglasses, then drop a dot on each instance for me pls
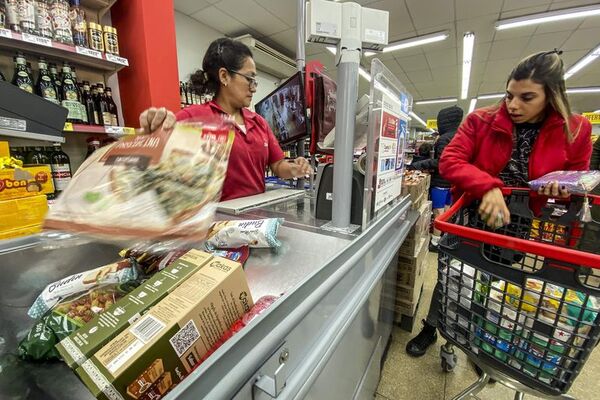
(252, 82)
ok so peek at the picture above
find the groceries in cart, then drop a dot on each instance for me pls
(260, 233)
(162, 186)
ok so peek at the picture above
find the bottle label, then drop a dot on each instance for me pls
(22, 73)
(49, 93)
(43, 19)
(27, 13)
(46, 78)
(96, 120)
(73, 108)
(26, 87)
(70, 95)
(61, 173)
(82, 113)
(107, 117)
(12, 12)
(114, 120)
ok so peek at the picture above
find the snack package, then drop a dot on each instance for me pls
(116, 273)
(239, 255)
(153, 258)
(162, 186)
(575, 182)
(258, 234)
(68, 316)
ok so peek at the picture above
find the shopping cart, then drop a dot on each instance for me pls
(522, 301)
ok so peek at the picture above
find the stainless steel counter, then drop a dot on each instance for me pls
(317, 272)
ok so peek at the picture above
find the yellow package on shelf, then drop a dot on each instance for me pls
(18, 214)
(25, 182)
(16, 233)
(4, 149)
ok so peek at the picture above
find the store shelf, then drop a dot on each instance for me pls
(32, 136)
(102, 6)
(116, 131)
(46, 47)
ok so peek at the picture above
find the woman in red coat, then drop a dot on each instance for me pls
(531, 133)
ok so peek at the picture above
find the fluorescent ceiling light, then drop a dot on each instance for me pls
(591, 56)
(415, 116)
(437, 101)
(592, 89)
(364, 74)
(490, 96)
(472, 105)
(468, 44)
(416, 41)
(551, 16)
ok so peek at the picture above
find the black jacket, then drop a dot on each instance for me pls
(448, 121)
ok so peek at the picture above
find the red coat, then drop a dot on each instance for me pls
(483, 146)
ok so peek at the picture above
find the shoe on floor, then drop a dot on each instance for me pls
(418, 345)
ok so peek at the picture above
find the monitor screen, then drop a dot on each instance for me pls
(285, 110)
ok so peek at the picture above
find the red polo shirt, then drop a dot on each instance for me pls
(250, 155)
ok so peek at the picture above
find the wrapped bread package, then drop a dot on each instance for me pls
(162, 186)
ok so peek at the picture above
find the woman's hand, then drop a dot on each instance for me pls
(552, 190)
(154, 118)
(493, 209)
(302, 167)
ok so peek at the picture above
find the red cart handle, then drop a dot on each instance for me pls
(567, 255)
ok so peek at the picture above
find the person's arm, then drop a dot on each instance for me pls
(581, 149)
(425, 165)
(595, 160)
(456, 167)
(154, 118)
(281, 167)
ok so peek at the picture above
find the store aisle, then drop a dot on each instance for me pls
(407, 378)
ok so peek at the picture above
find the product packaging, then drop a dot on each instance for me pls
(162, 186)
(172, 337)
(260, 233)
(575, 182)
(83, 343)
(116, 273)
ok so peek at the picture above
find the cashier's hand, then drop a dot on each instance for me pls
(553, 190)
(301, 168)
(493, 209)
(155, 118)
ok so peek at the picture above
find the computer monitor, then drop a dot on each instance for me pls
(285, 110)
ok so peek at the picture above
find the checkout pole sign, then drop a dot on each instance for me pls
(392, 132)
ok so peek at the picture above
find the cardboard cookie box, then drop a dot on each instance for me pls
(163, 346)
(83, 343)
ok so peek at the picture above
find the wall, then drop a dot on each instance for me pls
(193, 39)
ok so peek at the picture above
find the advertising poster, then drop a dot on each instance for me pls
(392, 131)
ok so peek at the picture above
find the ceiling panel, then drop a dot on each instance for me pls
(445, 74)
(419, 76)
(188, 7)
(401, 22)
(524, 10)
(283, 9)
(583, 39)
(558, 26)
(511, 5)
(518, 33)
(253, 16)
(500, 68)
(467, 9)
(591, 22)
(428, 13)
(504, 49)
(413, 63)
(443, 57)
(558, 4)
(483, 28)
(286, 39)
(226, 23)
(545, 42)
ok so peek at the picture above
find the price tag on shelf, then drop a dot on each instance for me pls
(88, 52)
(68, 127)
(129, 131)
(42, 41)
(117, 59)
(6, 33)
(114, 130)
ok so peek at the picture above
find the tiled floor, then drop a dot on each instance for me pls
(407, 378)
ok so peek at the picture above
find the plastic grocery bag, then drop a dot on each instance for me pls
(159, 187)
(575, 182)
(258, 234)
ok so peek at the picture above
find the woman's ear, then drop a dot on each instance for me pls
(223, 77)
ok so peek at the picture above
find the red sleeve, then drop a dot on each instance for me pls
(581, 148)
(275, 152)
(456, 166)
(183, 115)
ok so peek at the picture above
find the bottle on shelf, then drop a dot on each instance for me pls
(2, 15)
(27, 16)
(111, 40)
(37, 156)
(88, 103)
(43, 19)
(56, 80)
(77, 84)
(95, 37)
(78, 24)
(93, 144)
(102, 106)
(61, 168)
(181, 95)
(70, 96)
(12, 15)
(2, 77)
(112, 107)
(61, 22)
(21, 77)
(15, 152)
(44, 86)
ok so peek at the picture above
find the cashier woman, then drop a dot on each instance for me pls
(229, 75)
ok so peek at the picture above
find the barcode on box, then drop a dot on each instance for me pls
(185, 338)
(147, 328)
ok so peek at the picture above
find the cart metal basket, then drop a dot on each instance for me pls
(522, 301)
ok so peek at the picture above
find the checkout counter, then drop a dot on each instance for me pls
(324, 338)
